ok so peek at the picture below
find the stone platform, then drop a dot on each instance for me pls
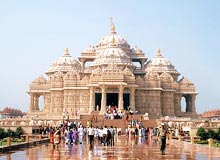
(124, 149)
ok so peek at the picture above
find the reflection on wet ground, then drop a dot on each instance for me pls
(125, 149)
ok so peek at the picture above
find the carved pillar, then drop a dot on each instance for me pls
(31, 108)
(103, 101)
(142, 64)
(83, 64)
(36, 102)
(120, 99)
(132, 98)
(193, 99)
(44, 102)
(91, 100)
(188, 103)
(177, 104)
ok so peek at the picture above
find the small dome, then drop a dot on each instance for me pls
(136, 50)
(160, 64)
(64, 64)
(112, 55)
(39, 80)
(90, 49)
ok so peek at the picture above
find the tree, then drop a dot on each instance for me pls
(202, 133)
(2, 133)
(218, 134)
(19, 132)
(10, 133)
(211, 134)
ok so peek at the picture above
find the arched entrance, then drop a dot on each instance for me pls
(186, 103)
(41, 103)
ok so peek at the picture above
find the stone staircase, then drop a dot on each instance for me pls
(98, 120)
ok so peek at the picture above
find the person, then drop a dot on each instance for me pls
(51, 135)
(81, 132)
(127, 118)
(162, 134)
(57, 137)
(111, 129)
(69, 137)
(155, 135)
(75, 136)
(88, 123)
(91, 133)
(108, 138)
(104, 134)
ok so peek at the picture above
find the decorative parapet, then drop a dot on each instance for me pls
(39, 87)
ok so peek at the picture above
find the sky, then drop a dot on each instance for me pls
(33, 34)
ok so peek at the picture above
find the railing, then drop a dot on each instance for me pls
(176, 118)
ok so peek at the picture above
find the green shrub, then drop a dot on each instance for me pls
(16, 140)
(19, 140)
(4, 140)
(203, 142)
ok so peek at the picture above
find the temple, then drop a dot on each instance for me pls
(111, 73)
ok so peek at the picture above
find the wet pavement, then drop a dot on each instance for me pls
(124, 149)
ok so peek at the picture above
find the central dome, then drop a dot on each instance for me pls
(114, 55)
(119, 41)
(107, 40)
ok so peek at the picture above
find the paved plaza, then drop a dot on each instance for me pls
(124, 149)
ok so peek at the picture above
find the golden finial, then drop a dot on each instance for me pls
(112, 26)
(66, 51)
(158, 52)
(113, 39)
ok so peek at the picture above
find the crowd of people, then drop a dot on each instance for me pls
(112, 112)
(76, 133)
(73, 133)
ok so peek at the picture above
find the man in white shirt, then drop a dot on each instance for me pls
(91, 133)
(104, 134)
(81, 133)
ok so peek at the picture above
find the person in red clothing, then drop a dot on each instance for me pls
(57, 137)
(51, 133)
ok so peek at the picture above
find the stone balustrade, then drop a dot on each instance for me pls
(27, 143)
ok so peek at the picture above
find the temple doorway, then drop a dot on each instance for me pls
(112, 99)
(98, 98)
(126, 100)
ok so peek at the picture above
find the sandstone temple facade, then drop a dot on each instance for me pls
(112, 73)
